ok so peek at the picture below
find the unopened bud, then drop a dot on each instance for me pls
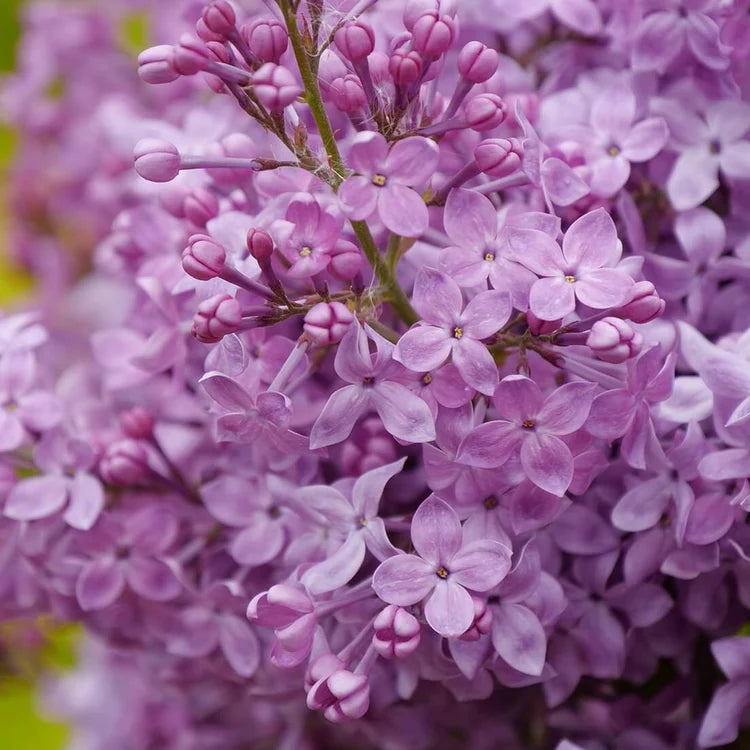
(260, 245)
(433, 35)
(645, 303)
(156, 64)
(156, 160)
(498, 157)
(477, 63)
(355, 40)
(482, 623)
(266, 38)
(219, 18)
(614, 340)
(327, 322)
(406, 67)
(397, 633)
(347, 94)
(124, 463)
(485, 112)
(137, 423)
(203, 258)
(190, 56)
(217, 317)
(200, 206)
(275, 86)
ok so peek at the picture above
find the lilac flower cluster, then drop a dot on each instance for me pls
(408, 402)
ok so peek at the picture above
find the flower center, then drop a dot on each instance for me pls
(441, 572)
(305, 251)
(368, 380)
(379, 180)
(274, 512)
(427, 379)
(490, 502)
(714, 147)
(528, 424)
(489, 256)
(362, 522)
(458, 332)
(570, 279)
(614, 151)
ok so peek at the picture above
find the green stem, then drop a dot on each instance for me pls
(393, 253)
(387, 333)
(386, 278)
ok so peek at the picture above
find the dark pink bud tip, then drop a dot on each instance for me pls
(137, 423)
(482, 621)
(219, 17)
(477, 63)
(266, 38)
(156, 64)
(327, 322)
(260, 245)
(156, 160)
(485, 112)
(275, 86)
(433, 35)
(217, 317)
(497, 157)
(203, 258)
(124, 463)
(355, 41)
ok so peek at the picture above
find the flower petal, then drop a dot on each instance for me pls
(437, 297)
(476, 365)
(403, 580)
(259, 543)
(335, 423)
(645, 139)
(239, 644)
(404, 415)
(603, 288)
(547, 462)
(412, 161)
(423, 348)
(489, 445)
(36, 497)
(86, 501)
(358, 197)
(694, 178)
(99, 584)
(369, 488)
(537, 251)
(402, 210)
(591, 242)
(450, 610)
(552, 298)
(152, 578)
(470, 219)
(519, 638)
(481, 565)
(566, 408)
(486, 314)
(436, 531)
(337, 569)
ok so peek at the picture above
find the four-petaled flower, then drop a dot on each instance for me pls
(445, 566)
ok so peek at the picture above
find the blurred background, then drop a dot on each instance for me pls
(28, 651)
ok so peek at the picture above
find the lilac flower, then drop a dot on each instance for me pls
(383, 178)
(480, 250)
(374, 386)
(450, 329)
(581, 271)
(534, 424)
(444, 567)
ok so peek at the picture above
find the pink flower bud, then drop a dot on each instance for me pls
(156, 160)
(405, 67)
(346, 260)
(342, 696)
(172, 199)
(280, 606)
(124, 463)
(201, 206)
(267, 39)
(433, 35)
(322, 667)
(645, 304)
(156, 64)
(275, 86)
(217, 317)
(541, 327)
(378, 64)
(355, 40)
(347, 94)
(370, 447)
(485, 112)
(238, 145)
(327, 322)
(219, 17)
(203, 258)
(416, 8)
(477, 63)
(614, 340)
(260, 245)
(397, 633)
(137, 423)
(482, 621)
(206, 34)
(498, 157)
(190, 55)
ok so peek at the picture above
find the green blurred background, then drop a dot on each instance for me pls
(26, 650)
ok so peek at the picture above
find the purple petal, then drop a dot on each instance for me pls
(230, 500)
(358, 197)
(227, 392)
(450, 610)
(353, 361)
(565, 409)
(239, 645)
(86, 501)
(702, 34)
(660, 38)
(404, 580)
(412, 161)
(603, 288)
(552, 298)
(486, 314)
(537, 251)
(404, 415)
(591, 242)
(722, 719)
(335, 423)
(465, 266)
(152, 579)
(645, 139)
(642, 506)
(12, 433)
(259, 543)
(368, 489)
(728, 119)
(733, 656)
(481, 565)
(609, 174)
(475, 365)
(611, 414)
(368, 152)
(337, 569)
(436, 531)
(489, 445)
(547, 462)
(470, 219)
(561, 183)
(733, 463)
(694, 178)
(581, 531)
(518, 637)
(37, 497)
(437, 297)
(613, 111)
(701, 234)
(518, 398)
(402, 210)
(423, 348)
(735, 160)
(99, 584)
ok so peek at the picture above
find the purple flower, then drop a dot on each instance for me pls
(448, 329)
(479, 233)
(383, 178)
(445, 566)
(534, 424)
(582, 270)
(374, 387)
